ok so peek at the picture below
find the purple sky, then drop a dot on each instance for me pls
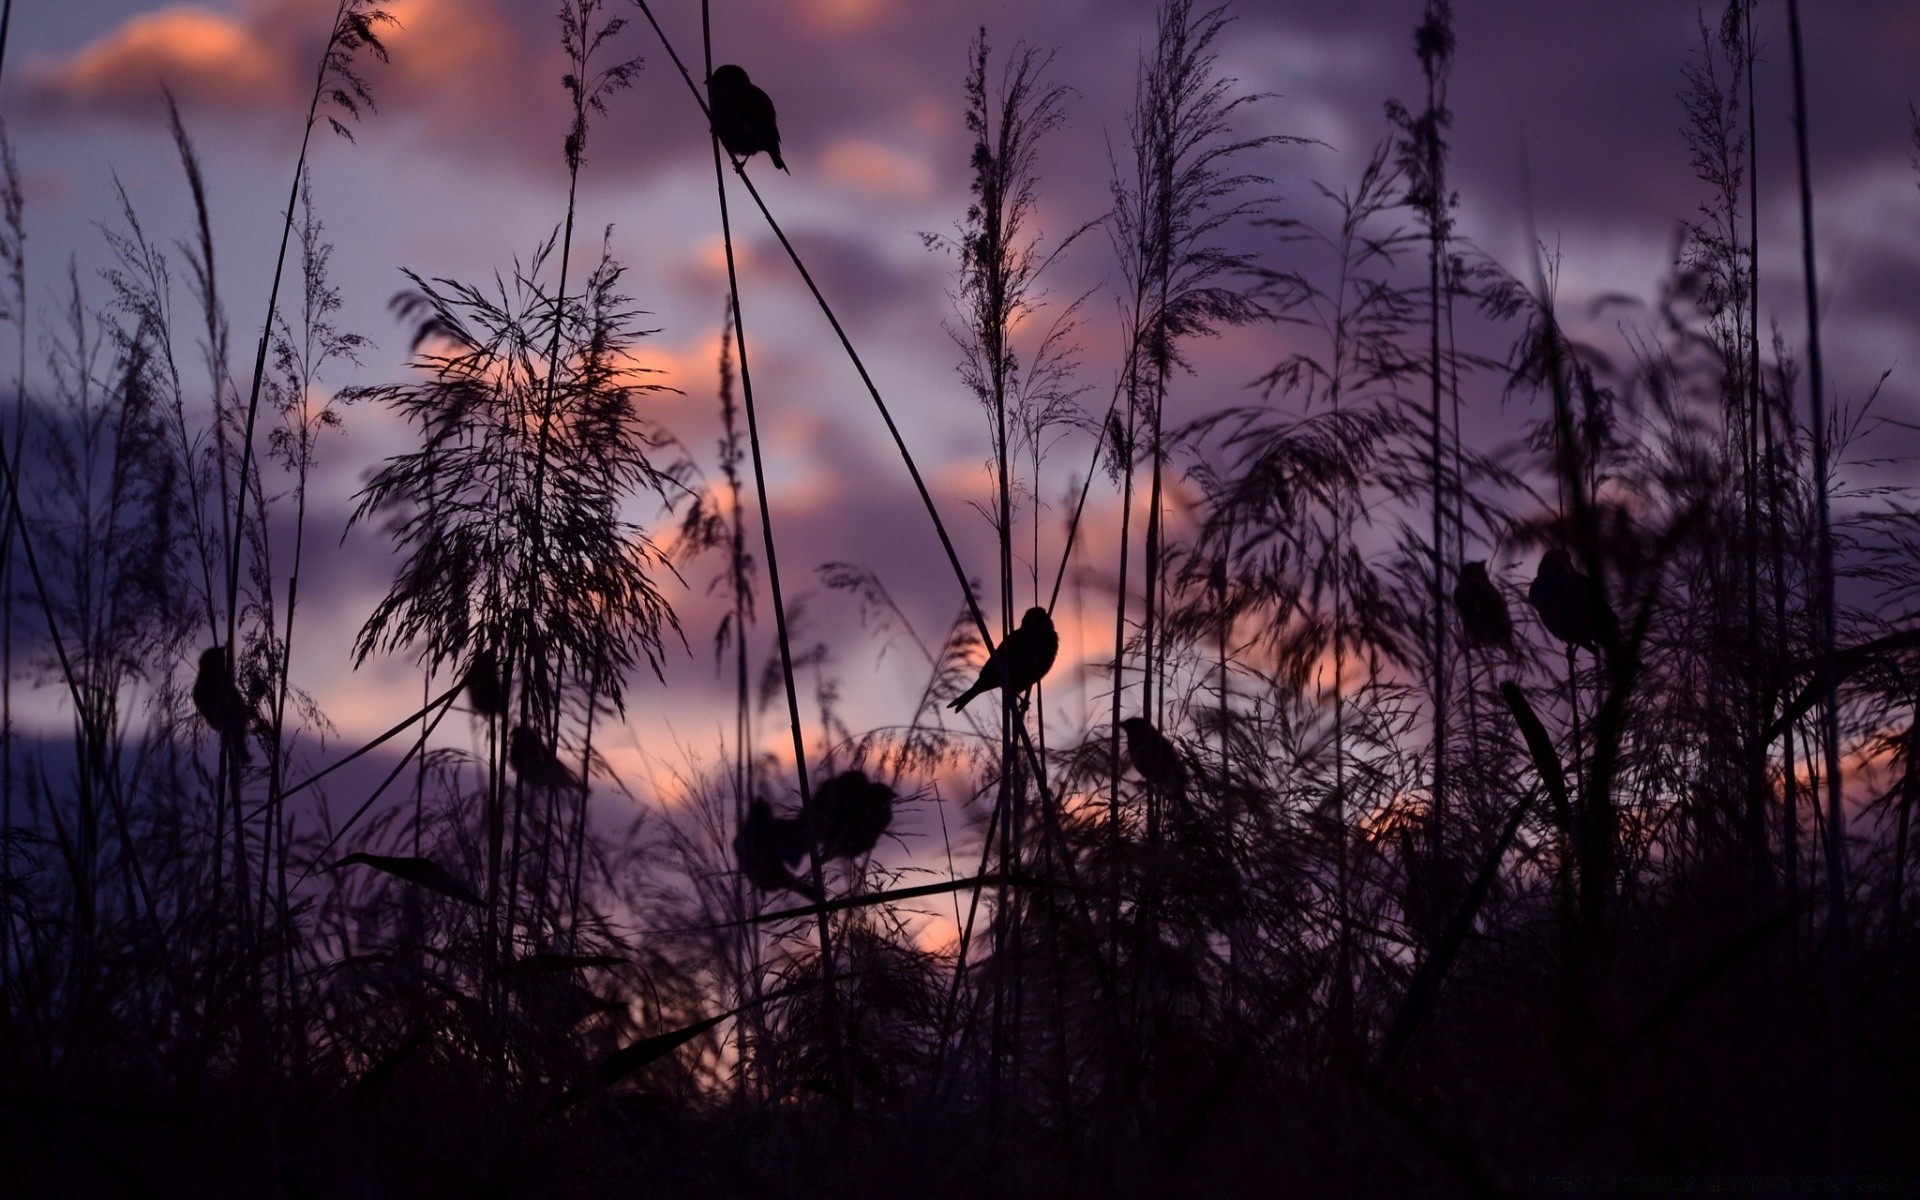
(461, 170)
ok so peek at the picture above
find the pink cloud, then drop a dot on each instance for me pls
(196, 52)
(443, 42)
(875, 170)
(844, 16)
(265, 57)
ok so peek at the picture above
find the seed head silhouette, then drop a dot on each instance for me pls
(1571, 604)
(1019, 662)
(742, 115)
(767, 846)
(1483, 610)
(219, 700)
(484, 691)
(536, 763)
(1154, 756)
(849, 814)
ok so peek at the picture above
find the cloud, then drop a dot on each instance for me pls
(441, 42)
(861, 280)
(198, 53)
(262, 59)
(692, 365)
(464, 163)
(844, 16)
(875, 170)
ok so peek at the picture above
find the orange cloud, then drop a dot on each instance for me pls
(437, 41)
(841, 16)
(939, 935)
(267, 53)
(647, 775)
(192, 50)
(1867, 769)
(875, 170)
(693, 367)
(711, 255)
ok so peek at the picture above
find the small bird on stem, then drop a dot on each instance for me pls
(536, 763)
(849, 814)
(1019, 662)
(742, 115)
(484, 691)
(1483, 610)
(219, 700)
(767, 847)
(1572, 605)
(1154, 756)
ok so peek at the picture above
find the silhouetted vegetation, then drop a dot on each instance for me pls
(1346, 872)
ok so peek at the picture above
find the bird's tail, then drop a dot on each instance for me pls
(959, 702)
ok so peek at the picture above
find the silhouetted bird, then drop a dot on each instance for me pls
(1571, 604)
(484, 691)
(536, 763)
(1018, 662)
(1156, 758)
(742, 115)
(1483, 610)
(849, 814)
(767, 846)
(219, 701)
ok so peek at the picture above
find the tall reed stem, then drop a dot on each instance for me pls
(1816, 389)
(822, 926)
(1837, 940)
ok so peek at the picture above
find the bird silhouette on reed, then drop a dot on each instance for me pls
(1572, 605)
(849, 814)
(1154, 756)
(482, 681)
(536, 762)
(1019, 662)
(1484, 618)
(742, 115)
(768, 847)
(219, 700)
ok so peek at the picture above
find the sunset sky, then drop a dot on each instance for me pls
(460, 171)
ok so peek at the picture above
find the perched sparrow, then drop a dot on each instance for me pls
(742, 115)
(482, 682)
(1019, 662)
(536, 763)
(849, 814)
(1483, 610)
(767, 847)
(219, 701)
(1156, 758)
(1571, 604)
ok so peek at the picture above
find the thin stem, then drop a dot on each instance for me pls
(1816, 387)
(1436, 244)
(260, 350)
(781, 632)
(6, 23)
(853, 356)
(1837, 938)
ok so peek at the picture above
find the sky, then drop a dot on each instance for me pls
(1566, 121)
